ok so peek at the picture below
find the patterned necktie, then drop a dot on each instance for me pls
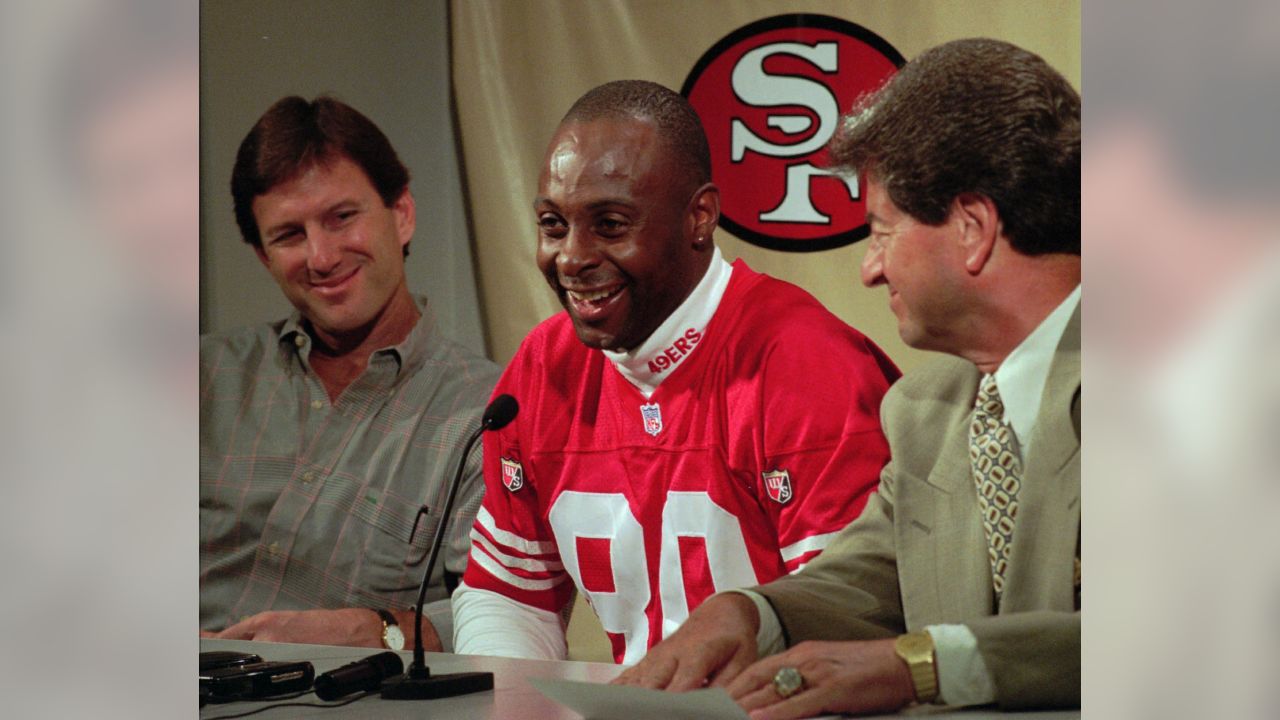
(997, 472)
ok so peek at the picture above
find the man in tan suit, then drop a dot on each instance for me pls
(960, 582)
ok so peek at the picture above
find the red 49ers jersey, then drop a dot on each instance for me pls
(760, 445)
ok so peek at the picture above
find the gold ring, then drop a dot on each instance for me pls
(787, 682)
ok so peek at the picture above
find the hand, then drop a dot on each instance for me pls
(710, 648)
(839, 677)
(357, 627)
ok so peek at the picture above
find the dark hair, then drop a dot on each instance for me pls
(675, 118)
(975, 116)
(292, 136)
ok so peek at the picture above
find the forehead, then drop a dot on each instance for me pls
(602, 158)
(879, 207)
(318, 185)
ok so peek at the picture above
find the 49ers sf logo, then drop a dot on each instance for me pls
(770, 97)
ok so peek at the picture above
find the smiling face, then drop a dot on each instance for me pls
(921, 265)
(622, 236)
(335, 249)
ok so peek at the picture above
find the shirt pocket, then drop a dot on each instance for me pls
(383, 560)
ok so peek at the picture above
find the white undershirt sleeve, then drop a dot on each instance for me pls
(963, 677)
(486, 623)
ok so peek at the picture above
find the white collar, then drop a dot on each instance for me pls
(1023, 374)
(673, 341)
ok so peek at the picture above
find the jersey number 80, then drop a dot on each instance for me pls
(603, 527)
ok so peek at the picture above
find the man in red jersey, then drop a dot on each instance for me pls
(687, 426)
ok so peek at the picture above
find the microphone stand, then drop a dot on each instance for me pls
(417, 683)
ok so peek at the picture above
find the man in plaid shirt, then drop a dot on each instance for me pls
(321, 435)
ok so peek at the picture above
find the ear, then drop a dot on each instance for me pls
(262, 256)
(406, 216)
(703, 216)
(980, 227)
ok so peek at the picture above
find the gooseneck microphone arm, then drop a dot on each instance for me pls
(417, 682)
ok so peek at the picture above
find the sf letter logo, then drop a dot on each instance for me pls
(756, 87)
(770, 97)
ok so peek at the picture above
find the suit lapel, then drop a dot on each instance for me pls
(1045, 539)
(940, 535)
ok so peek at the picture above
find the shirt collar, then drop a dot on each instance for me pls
(675, 339)
(1023, 374)
(408, 354)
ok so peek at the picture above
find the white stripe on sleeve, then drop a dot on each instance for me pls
(806, 545)
(510, 539)
(511, 561)
(496, 569)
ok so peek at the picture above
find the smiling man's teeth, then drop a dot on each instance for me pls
(591, 296)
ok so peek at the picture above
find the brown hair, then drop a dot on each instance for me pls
(292, 136)
(975, 116)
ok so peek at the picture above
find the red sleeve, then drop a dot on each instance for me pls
(513, 551)
(820, 394)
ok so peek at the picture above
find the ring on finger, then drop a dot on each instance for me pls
(787, 682)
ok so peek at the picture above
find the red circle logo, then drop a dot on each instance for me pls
(770, 95)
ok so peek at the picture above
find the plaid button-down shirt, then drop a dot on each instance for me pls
(306, 504)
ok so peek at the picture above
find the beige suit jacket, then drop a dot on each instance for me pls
(917, 555)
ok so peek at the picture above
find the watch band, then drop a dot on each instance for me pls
(916, 650)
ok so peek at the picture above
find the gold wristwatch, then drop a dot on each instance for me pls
(392, 636)
(916, 650)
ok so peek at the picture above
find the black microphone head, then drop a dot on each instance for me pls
(500, 412)
(361, 675)
(387, 662)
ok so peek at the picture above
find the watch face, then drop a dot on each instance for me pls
(915, 645)
(393, 638)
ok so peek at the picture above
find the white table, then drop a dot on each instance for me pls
(512, 698)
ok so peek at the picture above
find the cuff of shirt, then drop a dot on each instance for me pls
(769, 636)
(963, 677)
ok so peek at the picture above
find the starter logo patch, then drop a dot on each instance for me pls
(778, 484)
(512, 474)
(770, 96)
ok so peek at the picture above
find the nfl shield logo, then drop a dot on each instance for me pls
(778, 484)
(652, 418)
(512, 474)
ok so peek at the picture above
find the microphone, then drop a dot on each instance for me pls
(361, 675)
(417, 683)
(500, 412)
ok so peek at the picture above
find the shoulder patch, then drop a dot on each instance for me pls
(512, 474)
(778, 485)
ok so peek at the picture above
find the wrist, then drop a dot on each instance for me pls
(431, 640)
(735, 609)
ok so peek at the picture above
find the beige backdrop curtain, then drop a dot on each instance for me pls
(517, 66)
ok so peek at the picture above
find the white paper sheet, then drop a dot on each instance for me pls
(597, 701)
